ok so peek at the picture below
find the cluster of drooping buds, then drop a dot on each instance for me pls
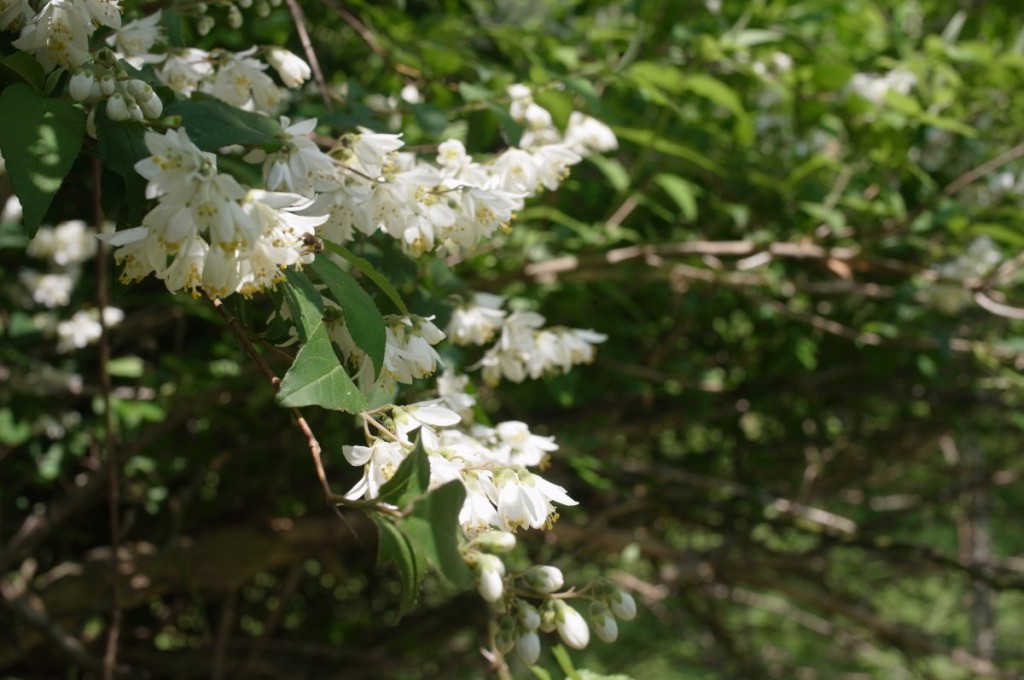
(512, 596)
(104, 79)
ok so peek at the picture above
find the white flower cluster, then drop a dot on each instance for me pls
(521, 621)
(524, 348)
(491, 462)
(453, 204)
(208, 231)
(408, 351)
(59, 35)
(65, 247)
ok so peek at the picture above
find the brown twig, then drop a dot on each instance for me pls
(318, 75)
(107, 443)
(300, 421)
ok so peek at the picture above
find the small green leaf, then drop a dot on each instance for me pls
(433, 528)
(558, 104)
(646, 137)
(212, 123)
(40, 139)
(317, 378)
(394, 546)
(410, 481)
(362, 317)
(371, 273)
(682, 192)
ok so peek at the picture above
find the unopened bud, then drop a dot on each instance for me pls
(601, 618)
(527, 615)
(623, 605)
(543, 579)
(234, 17)
(107, 84)
(506, 637)
(117, 108)
(80, 87)
(495, 541)
(205, 25)
(490, 582)
(528, 647)
(572, 627)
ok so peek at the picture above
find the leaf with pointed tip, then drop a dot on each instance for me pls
(40, 139)
(394, 546)
(316, 378)
(362, 317)
(434, 531)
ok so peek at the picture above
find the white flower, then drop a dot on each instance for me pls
(477, 322)
(14, 13)
(293, 70)
(300, 164)
(240, 80)
(587, 135)
(185, 69)
(380, 461)
(135, 38)
(520, 447)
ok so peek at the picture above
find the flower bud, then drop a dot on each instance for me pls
(234, 17)
(605, 627)
(494, 541)
(506, 637)
(528, 647)
(205, 25)
(139, 89)
(90, 123)
(135, 112)
(543, 579)
(623, 605)
(548, 614)
(572, 627)
(81, 84)
(153, 107)
(107, 84)
(527, 616)
(262, 9)
(490, 582)
(117, 108)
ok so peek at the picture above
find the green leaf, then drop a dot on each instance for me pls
(120, 145)
(212, 123)
(40, 139)
(394, 546)
(433, 528)
(305, 303)
(371, 273)
(558, 104)
(317, 378)
(362, 317)
(647, 138)
(683, 192)
(24, 66)
(410, 480)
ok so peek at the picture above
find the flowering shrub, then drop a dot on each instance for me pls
(223, 195)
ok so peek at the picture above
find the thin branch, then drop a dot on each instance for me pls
(300, 421)
(318, 75)
(107, 443)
